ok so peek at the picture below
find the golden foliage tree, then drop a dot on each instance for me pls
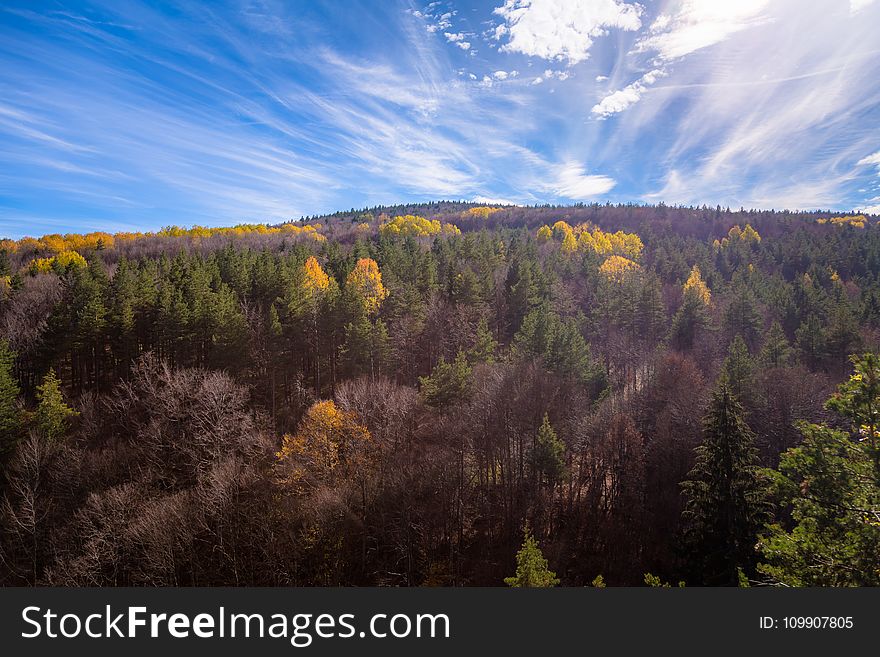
(366, 282)
(328, 442)
(697, 287)
(618, 269)
(315, 280)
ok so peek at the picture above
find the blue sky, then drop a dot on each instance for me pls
(133, 115)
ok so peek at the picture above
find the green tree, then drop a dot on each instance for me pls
(531, 567)
(777, 350)
(741, 317)
(831, 484)
(52, 413)
(548, 453)
(691, 317)
(739, 371)
(10, 416)
(725, 504)
(811, 340)
(448, 382)
(483, 350)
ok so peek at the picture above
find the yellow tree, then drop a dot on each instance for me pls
(545, 233)
(618, 269)
(328, 442)
(365, 280)
(697, 287)
(315, 280)
(569, 243)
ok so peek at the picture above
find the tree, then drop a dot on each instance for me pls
(10, 416)
(739, 371)
(777, 350)
(52, 413)
(365, 280)
(448, 382)
(695, 286)
(548, 454)
(831, 485)
(690, 317)
(725, 505)
(483, 349)
(811, 340)
(531, 567)
(328, 440)
(741, 317)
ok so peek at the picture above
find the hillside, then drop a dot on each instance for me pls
(389, 396)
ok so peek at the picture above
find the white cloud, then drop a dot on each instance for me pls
(619, 100)
(873, 159)
(561, 29)
(856, 6)
(488, 200)
(601, 78)
(550, 74)
(698, 24)
(573, 182)
(871, 209)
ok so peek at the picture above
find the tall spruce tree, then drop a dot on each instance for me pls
(726, 506)
(52, 413)
(531, 567)
(10, 417)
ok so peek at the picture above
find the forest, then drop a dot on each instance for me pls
(446, 394)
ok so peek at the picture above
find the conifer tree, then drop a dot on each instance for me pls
(448, 382)
(777, 350)
(548, 454)
(739, 371)
(531, 567)
(831, 484)
(725, 505)
(52, 413)
(10, 417)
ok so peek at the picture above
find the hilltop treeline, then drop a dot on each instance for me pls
(391, 396)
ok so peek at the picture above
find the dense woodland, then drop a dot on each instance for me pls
(445, 394)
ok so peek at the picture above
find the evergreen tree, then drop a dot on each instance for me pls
(10, 416)
(811, 341)
(725, 506)
(831, 484)
(52, 413)
(739, 371)
(741, 317)
(448, 382)
(690, 317)
(548, 454)
(483, 350)
(531, 567)
(776, 351)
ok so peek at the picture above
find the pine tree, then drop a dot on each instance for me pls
(831, 484)
(739, 371)
(531, 567)
(483, 350)
(52, 413)
(10, 417)
(448, 382)
(741, 317)
(777, 350)
(548, 454)
(725, 506)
